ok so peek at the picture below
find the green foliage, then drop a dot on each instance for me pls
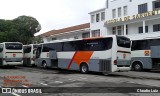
(20, 29)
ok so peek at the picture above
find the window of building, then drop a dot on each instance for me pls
(96, 33)
(119, 30)
(86, 35)
(106, 3)
(126, 29)
(119, 12)
(102, 16)
(156, 27)
(97, 17)
(114, 30)
(54, 38)
(142, 8)
(114, 13)
(92, 18)
(156, 5)
(125, 10)
(140, 29)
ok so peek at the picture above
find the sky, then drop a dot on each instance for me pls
(51, 14)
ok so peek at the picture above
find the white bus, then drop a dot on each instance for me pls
(145, 54)
(29, 54)
(11, 53)
(104, 54)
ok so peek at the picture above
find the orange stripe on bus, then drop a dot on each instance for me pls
(80, 57)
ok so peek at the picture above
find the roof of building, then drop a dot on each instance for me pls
(98, 10)
(66, 30)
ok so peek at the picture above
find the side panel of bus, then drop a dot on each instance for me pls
(94, 60)
(96, 54)
(144, 59)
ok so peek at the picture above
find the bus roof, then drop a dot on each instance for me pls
(10, 42)
(65, 40)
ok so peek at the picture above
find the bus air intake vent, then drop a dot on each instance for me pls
(105, 66)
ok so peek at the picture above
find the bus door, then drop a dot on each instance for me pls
(38, 56)
(53, 58)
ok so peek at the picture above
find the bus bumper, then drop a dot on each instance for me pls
(12, 63)
(119, 69)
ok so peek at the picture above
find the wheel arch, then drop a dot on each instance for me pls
(133, 62)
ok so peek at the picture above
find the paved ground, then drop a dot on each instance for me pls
(82, 84)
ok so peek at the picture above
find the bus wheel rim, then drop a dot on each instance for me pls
(84, 69)
(137, 66)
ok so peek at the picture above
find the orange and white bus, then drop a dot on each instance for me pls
(11, 53)
(29, 54)
(104, 54)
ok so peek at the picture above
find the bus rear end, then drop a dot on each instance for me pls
(29, 54)
(123, 54)
(13, 54)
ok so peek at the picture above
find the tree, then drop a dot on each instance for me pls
(20, 29)
(27, 26)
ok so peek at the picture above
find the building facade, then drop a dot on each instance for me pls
(132, 18)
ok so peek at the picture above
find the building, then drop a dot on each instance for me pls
(132, 18)
(97, 23)
(76, 32)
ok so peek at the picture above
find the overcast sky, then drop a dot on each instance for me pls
(51, 14)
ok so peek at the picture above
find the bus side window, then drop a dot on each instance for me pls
(140, 45)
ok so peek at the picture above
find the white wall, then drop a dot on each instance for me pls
(98, 25)
(133, 28)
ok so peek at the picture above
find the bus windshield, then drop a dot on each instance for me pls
(13, 46)
(123, 42)
(27, 49)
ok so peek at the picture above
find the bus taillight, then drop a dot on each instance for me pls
(115, 62)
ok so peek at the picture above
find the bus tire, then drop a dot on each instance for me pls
(84, 68)
(44, 64)
(137, 66)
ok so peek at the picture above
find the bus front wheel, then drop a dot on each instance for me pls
(137, 66)
(84, 68)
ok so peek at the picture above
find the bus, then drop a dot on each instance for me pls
(103, 54)
(11, 54)
(29, 54)
(145, 54)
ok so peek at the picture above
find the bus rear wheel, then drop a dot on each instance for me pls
(44, 64)
(84, 68)
(137, 66)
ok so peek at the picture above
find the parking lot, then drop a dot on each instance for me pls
(39, 77)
